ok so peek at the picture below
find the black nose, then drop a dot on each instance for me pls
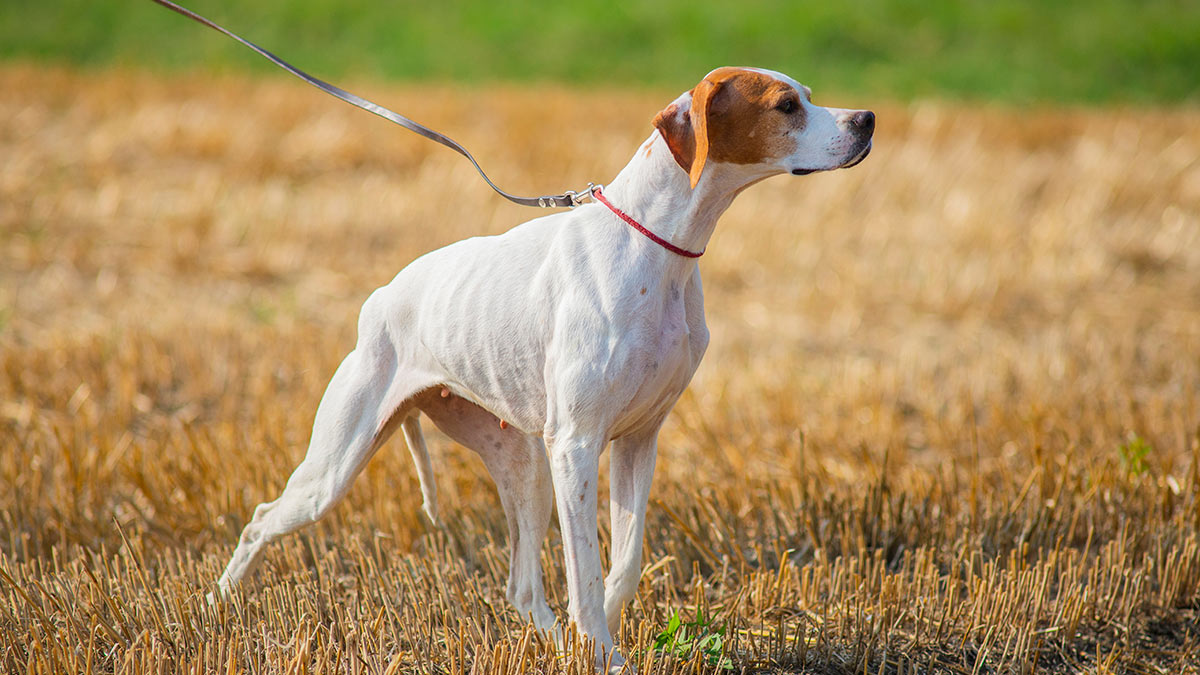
(864, 121)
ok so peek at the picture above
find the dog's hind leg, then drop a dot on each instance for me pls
(411, 426)
(362, 405)
(517, 463)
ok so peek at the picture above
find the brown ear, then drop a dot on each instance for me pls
(687, 133)
(676, 129)
(701, 96)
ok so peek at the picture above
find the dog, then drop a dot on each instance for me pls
(539, 347)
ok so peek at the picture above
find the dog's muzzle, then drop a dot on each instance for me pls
(863, 123)
(857, 159)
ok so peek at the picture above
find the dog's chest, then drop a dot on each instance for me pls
(661, 361)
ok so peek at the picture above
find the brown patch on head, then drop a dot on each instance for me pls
(738, 116)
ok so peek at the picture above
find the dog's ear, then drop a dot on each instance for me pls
(675, 125)
(702, 96)
(684, 126)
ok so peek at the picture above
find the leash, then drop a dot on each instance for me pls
(570, 198)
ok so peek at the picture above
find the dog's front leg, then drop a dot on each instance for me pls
(631, 472)
(575, 467)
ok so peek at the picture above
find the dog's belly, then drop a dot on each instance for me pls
(503, 388)
(505, 372)
(474, 314)
(492, 354)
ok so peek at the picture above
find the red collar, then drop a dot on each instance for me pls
(638, 226)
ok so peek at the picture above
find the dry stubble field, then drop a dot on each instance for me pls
(948, 421)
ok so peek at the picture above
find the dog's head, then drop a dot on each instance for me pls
(761, 120)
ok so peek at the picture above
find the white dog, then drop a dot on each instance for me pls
(537, 347)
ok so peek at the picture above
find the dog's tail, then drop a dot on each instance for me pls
(420, 454)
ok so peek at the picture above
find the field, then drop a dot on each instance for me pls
(949, 421)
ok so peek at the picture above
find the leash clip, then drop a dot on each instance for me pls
(570, 198)
(583, 197)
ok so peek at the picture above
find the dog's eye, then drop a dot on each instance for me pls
(787, 106)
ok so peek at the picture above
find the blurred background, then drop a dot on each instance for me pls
(1073, 51)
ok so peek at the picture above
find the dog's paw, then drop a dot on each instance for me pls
(216, 597)
(431, 512)
(544, 619)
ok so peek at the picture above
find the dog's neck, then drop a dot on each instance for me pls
(655, 191)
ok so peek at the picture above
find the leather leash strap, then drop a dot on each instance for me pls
(568, 198)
